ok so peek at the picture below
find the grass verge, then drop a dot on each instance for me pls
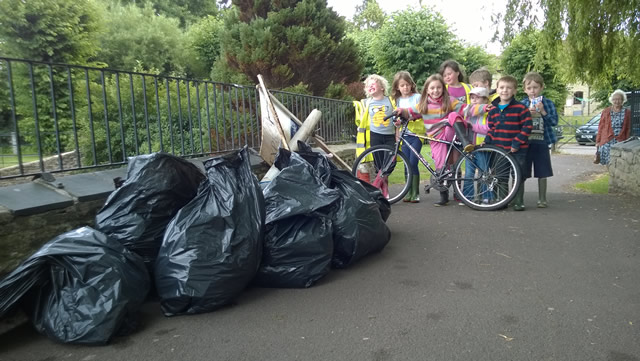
(598, 185)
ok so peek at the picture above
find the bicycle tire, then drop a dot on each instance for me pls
(399, 177)
(494, 181)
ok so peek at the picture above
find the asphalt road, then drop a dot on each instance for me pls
(559, 283)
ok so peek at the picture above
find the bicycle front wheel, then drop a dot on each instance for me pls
(385, 168)
(487, 178)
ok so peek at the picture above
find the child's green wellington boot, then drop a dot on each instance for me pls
(542, 192)
(518, 201)
(415, 187)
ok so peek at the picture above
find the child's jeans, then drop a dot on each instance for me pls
(482, 161)
(416, 143)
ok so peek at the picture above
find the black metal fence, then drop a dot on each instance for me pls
(61, 117)
(634, 100)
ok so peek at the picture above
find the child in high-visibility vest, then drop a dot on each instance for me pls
(453, 76)
(477, 130)
(406, 95)
(437, 109)
(378, 106)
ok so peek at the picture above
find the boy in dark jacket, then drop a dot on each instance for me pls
(509, 128)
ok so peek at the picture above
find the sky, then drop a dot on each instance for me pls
(470, 20)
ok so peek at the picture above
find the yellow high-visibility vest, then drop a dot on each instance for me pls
(480, 137)
(467, 89)
(364, 134)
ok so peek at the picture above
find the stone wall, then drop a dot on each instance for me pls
(69, 161)
(624, 168)
(21, 236)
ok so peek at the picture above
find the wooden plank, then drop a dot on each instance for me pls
(283, 138)
(293, 117)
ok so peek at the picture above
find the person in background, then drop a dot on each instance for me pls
(509, 128)
(378, 106)
(482, 78)
(544, 117)
(614, 127)
(406, 95)
(453, 76)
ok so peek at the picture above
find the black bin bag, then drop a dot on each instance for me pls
(320, 162)
(298, 242)
(359, 226)
(81, 287)
(137, 213)
(325, 168)
(212, 247)
(358, 222)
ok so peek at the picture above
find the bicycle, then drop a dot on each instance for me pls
(490, 184)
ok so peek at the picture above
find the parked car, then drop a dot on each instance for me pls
(586, 134)
(559, 132)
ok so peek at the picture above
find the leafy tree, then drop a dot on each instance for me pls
(136, 35)
(602, 93)
(57, 31)
(415, 41)
(5, 107)
(368, 15)
(364, 40)
(186, 11)
(472, 58)
(518, 59)
(203, 45)
(61, 31)
(600, 38)
(290, 42)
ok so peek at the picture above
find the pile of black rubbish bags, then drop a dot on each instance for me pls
(197, 240)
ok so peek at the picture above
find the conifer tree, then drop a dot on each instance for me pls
(290, 42)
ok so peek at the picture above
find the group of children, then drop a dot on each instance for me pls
(477, 115)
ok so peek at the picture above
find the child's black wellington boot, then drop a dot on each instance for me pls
(518, 201)
(461, 134)
(444, 199)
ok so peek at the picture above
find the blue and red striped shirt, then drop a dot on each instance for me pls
(511, 127)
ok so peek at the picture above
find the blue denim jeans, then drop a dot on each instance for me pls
(416, 143)
(482, 161)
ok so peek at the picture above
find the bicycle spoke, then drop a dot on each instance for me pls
(381, 167)
(490, 178)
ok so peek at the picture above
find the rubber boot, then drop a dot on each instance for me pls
(518, 201)
(444, 199)
(410, 193)
(461, 134)
(415, 187)
(542, 192)
(363, 174)
(385, 186)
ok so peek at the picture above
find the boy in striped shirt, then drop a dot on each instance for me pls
(509, 128)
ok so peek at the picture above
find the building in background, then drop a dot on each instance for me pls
(579, 101)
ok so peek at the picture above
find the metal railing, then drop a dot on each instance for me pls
(67, 117)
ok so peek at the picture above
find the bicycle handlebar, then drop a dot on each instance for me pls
(395, 116)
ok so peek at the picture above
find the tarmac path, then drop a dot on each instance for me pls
(560, 283)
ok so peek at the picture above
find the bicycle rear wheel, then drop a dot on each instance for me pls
(490, 178)
(392, 165)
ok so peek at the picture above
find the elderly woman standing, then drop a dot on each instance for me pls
(615, 125)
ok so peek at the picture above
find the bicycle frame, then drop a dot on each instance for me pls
(444, 173)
